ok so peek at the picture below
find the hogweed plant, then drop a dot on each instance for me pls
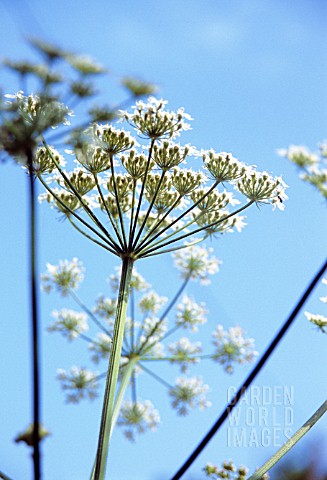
(132, 189)
(153, 201)
(146, 339)
(137, 200)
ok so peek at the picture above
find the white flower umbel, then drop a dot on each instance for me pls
(189, 393)
(106, 308)
(153, 121)
(197, 263)
(313, 165)
(137, 418)
(70, 323)
(151, 303)
(190, 314)
(78, 383)
(317, 319)
(231, 346)
(184, 353)
(65, 276)
(299, 154)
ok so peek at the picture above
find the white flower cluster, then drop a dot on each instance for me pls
(319, 320)
(231, 346)
(197, 263)
(137, 418)
(153, 121)
(184, 353)
(78, 383)
(70, 323)
(228, 471)
(63, 277)
(190, 314)
(189, 393)
(312, 164)
(152, 196)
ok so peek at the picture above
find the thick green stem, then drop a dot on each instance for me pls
(126, 377)
(112, 375)
(290, 443)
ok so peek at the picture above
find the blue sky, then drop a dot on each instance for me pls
(253, 76)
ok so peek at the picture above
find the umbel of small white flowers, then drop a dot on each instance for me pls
(318, 319)
(145, 338)
(313, 165)
(229, 471)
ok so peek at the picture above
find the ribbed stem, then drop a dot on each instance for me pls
(112, 375)
(35, 320)
(290, 443)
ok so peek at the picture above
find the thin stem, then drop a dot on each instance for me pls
(182, 215)
(156, 377)
(91, 238)
(157, 225)
(132, 320)
(134, 396)
(232, 404)
(121, 218)
(168, 250)
(142, 188)
(290, 443)
(201, 229)
(88, 311)
(73, 189)
(111, 382)
(4, 477)
(174, 357)
(34, 289)
(130, 239)
(86, 338)
(163, 173)
(72, 212)
(108, 213)
(129, 370)
(164, 315)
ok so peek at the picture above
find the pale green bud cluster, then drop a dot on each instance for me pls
(207, 202)
(153, 121)
(112, 140)
(43, 161)
(227, 471)
(156, 184)
(92, 158)
(258, 187)
(136, 164)
(186, 180)
(169, 155)
(82, 182)
(223, 166)
(110, 204)
(122, 184)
